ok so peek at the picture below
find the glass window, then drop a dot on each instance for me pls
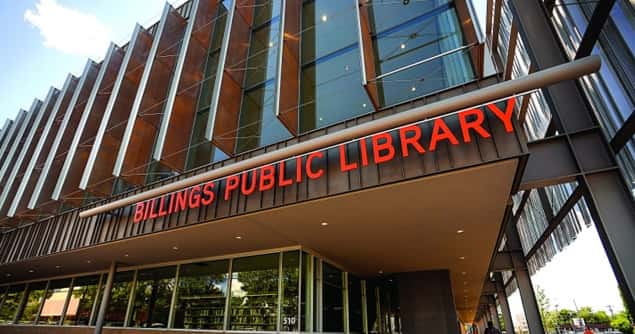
(82, 299)
(153, 295)
(306, 292)
(354, 304)
(254, 293)
(119, 296)
(327, 26)
(372, 308)
(290, 285)
(35, 296)
(202, 151)
(421, 31)
(54, 302)
(332, 299)
(332, 91)
(201, 295)
(11, 303)
(258, 125)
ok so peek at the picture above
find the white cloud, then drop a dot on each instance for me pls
(69, 30)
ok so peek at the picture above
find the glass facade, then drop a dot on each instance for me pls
(271, 292)
(201, 151)
(201, 296)
(258, 124)
(10, 303)
(54, 302)
(82, 300)
(419, 49)
(330, 87)
(152, 297)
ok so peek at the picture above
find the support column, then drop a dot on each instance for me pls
(526, 290)
(609, 197)
(494, 314)
(501, 296)
(105, 298)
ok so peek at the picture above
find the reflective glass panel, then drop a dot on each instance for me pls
(290, 286)
(11, 303)
(201, 295)
(35, 296)
(119, 297)
(254, 293)
(332, 91)
(258, 125)
(332, 299)
(153, 295)
(327, 26)
(406, 34)
(354, 304)
(82, 299)
(54, 302)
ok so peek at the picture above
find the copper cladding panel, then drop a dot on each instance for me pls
(181, 121)
(71, 185)
(30, 151)
(289, 91)
(368, 55)
(101, 179)
(225, 127)
(467, 26)
(44, 198)
(66, 98)
(148, 120)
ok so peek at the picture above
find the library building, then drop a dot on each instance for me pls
(322, 166)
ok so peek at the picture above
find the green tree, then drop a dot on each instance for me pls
(565, 317)
(622, 323)
(549, 318)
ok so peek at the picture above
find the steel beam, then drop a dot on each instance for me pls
(601, 13)
(610, 200)
(613, 212)
(501, 297)
(624, 134)
(568, 156)
(523, 280)
(103, 307)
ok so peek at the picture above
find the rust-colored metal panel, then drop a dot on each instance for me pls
(289, 75)
(63, 102)
(179, 126)
(470, 35)
(368, 56)
(59, 154)
(100, 181)
(145, 128)
(70, 191)
(45, 111)
(228, 110)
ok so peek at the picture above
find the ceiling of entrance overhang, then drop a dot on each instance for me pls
(448, 221)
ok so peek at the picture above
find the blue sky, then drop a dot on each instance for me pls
(44, 40)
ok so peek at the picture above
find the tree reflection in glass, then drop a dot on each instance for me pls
(254, 293)
(201, 295)
(82, 299)
(153, 295)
